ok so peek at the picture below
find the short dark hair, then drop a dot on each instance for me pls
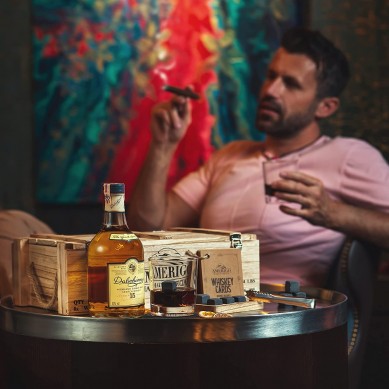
(332, 66)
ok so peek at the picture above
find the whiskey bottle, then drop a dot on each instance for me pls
(115, 262)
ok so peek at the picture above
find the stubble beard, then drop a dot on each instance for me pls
(286, 127)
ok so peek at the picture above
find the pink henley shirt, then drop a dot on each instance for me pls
(228, 193)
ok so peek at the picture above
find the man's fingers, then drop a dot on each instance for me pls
(169, 115)
(301, 212)
(294, 198)
(180, 104)
(299, 177)
(162, 116)
(176, 115)
(292, 187)
(170, 120)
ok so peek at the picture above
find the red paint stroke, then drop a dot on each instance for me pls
(189, 62)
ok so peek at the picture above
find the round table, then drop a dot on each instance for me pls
(278, 346)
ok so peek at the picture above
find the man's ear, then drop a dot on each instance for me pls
(326, 107)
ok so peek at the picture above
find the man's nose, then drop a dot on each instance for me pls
(274, 87)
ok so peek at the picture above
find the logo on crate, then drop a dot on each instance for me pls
(221, 269)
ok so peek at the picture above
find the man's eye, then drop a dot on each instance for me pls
(292, 84)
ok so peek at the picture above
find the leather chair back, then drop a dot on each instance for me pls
(354, 274)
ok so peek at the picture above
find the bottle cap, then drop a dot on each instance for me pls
(114, 197)
(114, 188)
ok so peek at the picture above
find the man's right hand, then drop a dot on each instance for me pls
(148, 206)
(170, 120)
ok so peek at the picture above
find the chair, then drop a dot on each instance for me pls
(354, 274)
(14, 224)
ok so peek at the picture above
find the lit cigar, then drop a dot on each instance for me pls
(187, 92)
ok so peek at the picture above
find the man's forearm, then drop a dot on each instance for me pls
(361, 223)
(147, 205)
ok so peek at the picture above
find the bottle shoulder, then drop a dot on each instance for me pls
(116, 234)
(115, 243)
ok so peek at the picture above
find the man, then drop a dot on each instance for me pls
(341, 187)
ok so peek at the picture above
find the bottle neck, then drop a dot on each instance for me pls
(115, 221)
(114, 213)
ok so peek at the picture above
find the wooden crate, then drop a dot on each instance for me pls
(50, 271)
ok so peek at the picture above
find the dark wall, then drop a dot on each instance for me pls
(16, 126)
(360, 28)
(16, 166)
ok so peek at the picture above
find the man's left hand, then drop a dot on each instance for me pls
(309, 192)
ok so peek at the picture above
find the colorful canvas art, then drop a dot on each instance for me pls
(99, 67)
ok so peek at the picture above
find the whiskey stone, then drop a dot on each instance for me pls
(169, 286)
(215, 301)
(228, 300)
(202, 298)
(239, 299)
(292, 286)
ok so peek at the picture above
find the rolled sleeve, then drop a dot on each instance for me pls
(365, 177)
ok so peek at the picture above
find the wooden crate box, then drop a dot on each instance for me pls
(50, 271)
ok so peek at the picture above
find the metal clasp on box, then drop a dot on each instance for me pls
(236, 240)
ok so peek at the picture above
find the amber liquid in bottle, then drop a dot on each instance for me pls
(115, 263)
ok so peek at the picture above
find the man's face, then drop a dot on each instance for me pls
(287, 101)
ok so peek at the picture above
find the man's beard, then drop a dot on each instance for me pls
(284, 127)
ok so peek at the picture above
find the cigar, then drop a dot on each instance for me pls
(275, 298)
(187, 92)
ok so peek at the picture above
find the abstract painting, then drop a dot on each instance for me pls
(99, 67)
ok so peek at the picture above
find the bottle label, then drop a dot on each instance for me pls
(114, 202)
(126, 284)
(123, 237)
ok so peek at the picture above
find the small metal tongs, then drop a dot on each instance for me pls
(277, 298)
